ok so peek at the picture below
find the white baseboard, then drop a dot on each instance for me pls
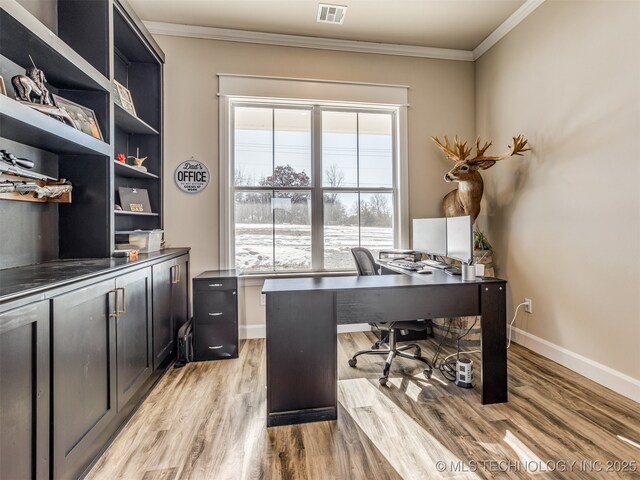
(260, 331)
(252, 331)
(599, 373)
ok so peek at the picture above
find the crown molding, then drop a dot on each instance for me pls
(506, 26)
(229, 35)
(243, 36)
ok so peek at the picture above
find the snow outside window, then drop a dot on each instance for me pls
(309, 183)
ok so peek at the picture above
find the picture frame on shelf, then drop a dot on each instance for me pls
(124, 96)
(83, 118)
(116, 94)
(134, 200)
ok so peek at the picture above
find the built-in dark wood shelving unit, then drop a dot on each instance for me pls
(138, 66)
(48, 335)
(81, 46)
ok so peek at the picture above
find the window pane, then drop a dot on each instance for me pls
(253, 145)
(292, 138)
(254, 231)
(376, 221)
(340, 229)
(376, 150)
(339, 149)
(292, 217)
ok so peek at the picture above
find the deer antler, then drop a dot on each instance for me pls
(457, 152)
(519, 144)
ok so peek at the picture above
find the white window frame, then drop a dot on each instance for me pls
(318, 95)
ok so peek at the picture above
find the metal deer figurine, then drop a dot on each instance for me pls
(465, 200)
(31, 87)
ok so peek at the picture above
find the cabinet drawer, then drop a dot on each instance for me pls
(215, 284)
(215, 306)
(217, 340)
(213, 315)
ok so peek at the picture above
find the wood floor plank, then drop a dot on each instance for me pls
(207, 421)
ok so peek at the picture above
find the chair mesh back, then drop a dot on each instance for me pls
(365, 263)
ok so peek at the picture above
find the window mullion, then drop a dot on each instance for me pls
(273, 192)
(317, 221)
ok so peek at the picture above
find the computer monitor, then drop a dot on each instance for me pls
(430, 235)
(460, 239)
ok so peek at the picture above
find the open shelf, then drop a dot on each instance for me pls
(128, 232)
(128, 171)
(25, 125)
(130, 123)
(21, 35)
(137, 214)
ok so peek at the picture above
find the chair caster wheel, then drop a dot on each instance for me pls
(383, 380)
(352, 362)
(375, 346)
(418, 352)
(427, 373)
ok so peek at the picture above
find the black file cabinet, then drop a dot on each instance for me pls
(215, 321)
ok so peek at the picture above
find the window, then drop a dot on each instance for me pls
(309, 183)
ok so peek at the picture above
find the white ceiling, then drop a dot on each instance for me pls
(454, 24)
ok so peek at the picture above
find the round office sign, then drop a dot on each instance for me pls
(192, 176)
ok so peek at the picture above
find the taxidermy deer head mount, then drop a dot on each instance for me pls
(465, 200)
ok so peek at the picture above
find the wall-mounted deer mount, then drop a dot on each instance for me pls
(465, 200)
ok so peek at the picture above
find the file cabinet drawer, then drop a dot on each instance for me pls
(212, 341)
(215, 284)
(208, 307)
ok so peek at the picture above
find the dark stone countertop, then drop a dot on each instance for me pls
(31, 279)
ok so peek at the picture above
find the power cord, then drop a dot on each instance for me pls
(449, 367)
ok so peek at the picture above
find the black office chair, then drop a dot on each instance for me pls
(366, 265)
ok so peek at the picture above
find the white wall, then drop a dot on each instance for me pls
(441, 97)
(565, 218)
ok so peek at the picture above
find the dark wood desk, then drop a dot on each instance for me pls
(302, 319)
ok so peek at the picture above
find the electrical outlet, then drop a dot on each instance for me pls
(528, 305)
(263, 299)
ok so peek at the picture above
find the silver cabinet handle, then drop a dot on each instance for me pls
(215, 347)
(117, 306)
(216, 314)
(174, 276)
(179, 274)
(124, 301)
(215, 284)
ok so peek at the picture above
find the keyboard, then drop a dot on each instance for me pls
(435, 264)
(404, 264)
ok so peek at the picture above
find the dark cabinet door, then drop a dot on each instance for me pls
(84, 375)
(133, 333)
(170, 305)
(162, 322)
(180, 293)
(24, 392)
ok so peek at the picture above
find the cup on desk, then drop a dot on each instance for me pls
(468, 272)
(479, 269)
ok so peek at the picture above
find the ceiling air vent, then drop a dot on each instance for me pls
(331, 13)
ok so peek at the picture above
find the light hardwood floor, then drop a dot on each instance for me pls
(207, 421)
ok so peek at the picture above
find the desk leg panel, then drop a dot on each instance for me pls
(301, 357)
(493, 308)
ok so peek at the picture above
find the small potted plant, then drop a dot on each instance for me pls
(482, 252)
(480, 241)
